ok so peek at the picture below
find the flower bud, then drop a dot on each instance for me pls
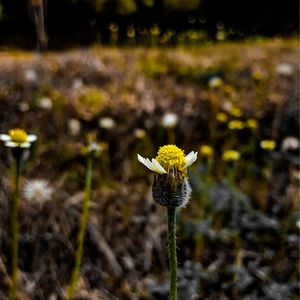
(167, 190)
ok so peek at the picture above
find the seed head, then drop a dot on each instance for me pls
(37, 191)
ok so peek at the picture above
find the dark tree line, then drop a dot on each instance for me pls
(70, 22)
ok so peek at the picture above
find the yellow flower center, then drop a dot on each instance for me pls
(171, 157)
(18, 135)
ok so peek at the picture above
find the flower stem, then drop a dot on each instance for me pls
(172, 251)
(15, 227)
(82, 228)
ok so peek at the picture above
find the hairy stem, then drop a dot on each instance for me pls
(82, 228)
(172, 252)
(15, 227)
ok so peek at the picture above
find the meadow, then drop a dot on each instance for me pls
(235, 103)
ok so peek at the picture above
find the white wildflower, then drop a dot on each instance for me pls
(106, 123)
(169, 120)
(45, 103)
(18, 138)
(74, 127)
(285, 69)
(30, 75)
(290, 143)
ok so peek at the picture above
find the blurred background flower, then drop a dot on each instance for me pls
(37, 191)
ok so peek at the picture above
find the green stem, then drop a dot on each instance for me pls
(171, 135)
(15, 227)
(232, 174)
(172, 251)
(82, 228)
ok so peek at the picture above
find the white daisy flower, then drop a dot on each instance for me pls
(169, 157)
(18, 138)
(170, 186)
(169, 120)
(37, 191)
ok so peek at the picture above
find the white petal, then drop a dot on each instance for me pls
(31, 138)
(140, 158)
(150, 165)
(5, 137)
(191, 158)
(158, 166)
(145, 162)
(11, 144)
(24, 145)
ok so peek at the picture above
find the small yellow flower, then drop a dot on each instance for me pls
(258, 75)
(252, 123)
(231, 155)
(18, 138)
(235, 111)
(206, 151)
(236, 125)
(139, 133)
(268, 145)
(221, 117)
